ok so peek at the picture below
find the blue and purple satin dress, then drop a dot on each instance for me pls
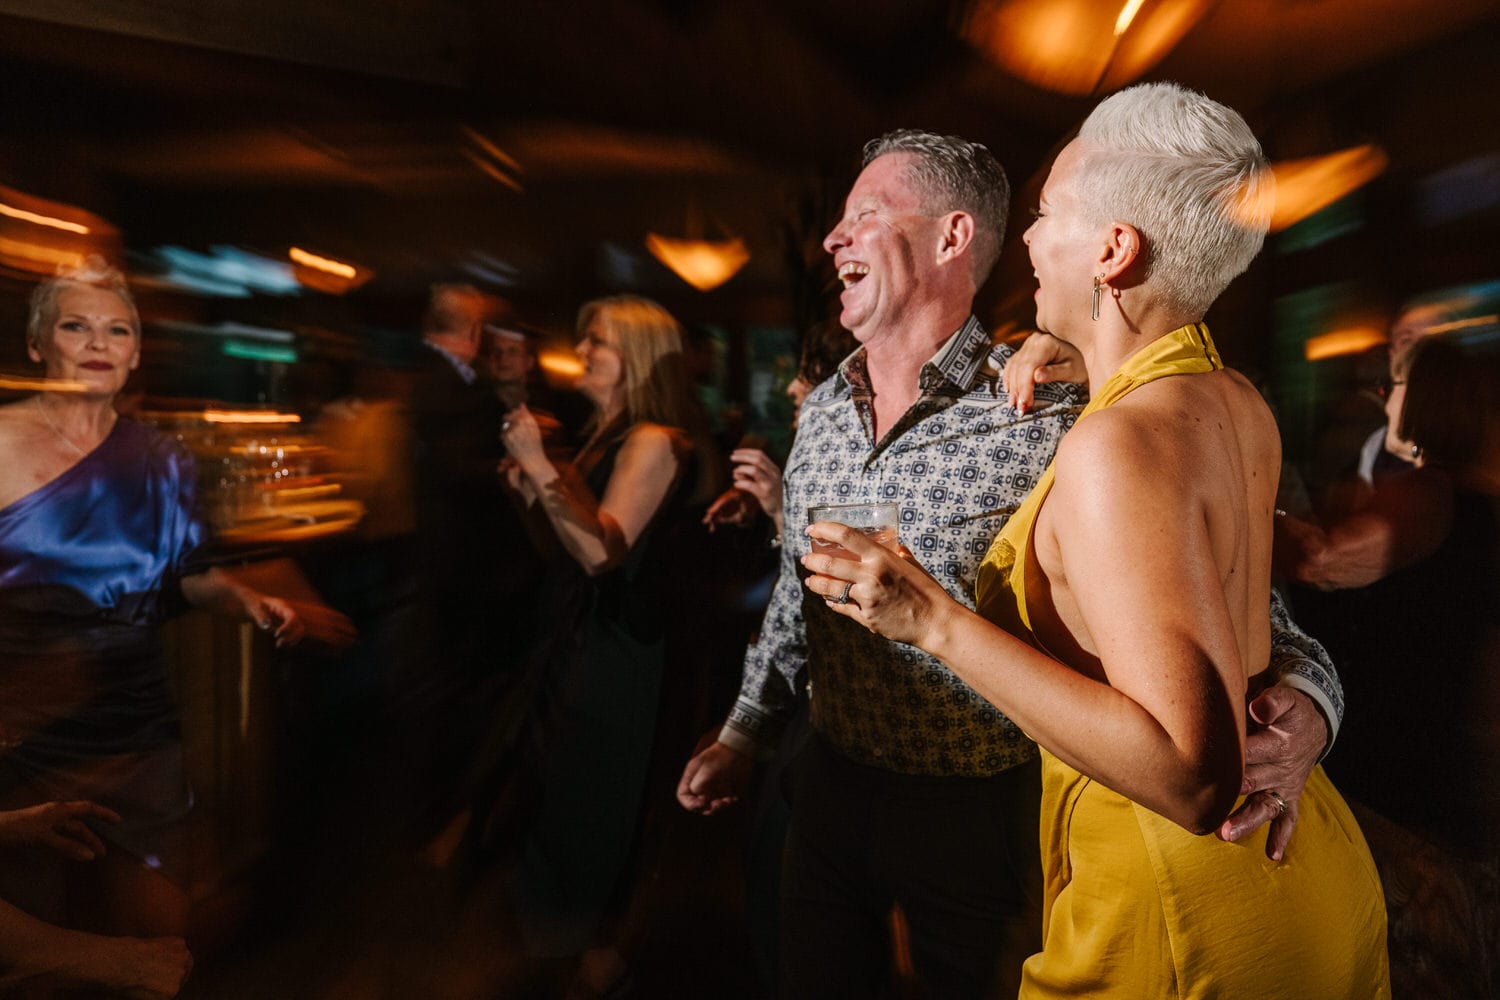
(89, 568)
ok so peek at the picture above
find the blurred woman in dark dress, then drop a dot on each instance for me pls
(594, 720)
(1405, 594)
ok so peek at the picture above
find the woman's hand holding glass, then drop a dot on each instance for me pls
(885, 590)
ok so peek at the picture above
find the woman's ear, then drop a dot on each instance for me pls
(33, 351)
(1122, 248)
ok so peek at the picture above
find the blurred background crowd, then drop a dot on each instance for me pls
(486, 325)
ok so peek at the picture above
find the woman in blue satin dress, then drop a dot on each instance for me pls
(99, 542)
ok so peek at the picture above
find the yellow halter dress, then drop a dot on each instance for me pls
(1137, 907)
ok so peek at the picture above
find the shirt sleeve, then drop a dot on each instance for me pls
(775, 666)
(1299, 661)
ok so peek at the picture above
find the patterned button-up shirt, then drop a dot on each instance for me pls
(958, 463)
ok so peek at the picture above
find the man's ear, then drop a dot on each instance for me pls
(956, 235)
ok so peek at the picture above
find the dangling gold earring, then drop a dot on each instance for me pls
(1096, 296)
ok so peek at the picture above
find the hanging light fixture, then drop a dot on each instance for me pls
(704, 264)
(1079, 47)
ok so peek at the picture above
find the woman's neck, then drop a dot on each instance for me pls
(80, 423)
(1119, 333)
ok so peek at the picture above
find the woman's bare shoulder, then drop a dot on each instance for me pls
(651, 438)
(17, 421)
(25, 461)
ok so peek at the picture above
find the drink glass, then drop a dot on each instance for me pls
(878, 520)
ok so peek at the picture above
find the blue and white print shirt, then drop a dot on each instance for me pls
(958, 463)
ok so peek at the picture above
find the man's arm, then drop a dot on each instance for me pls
(1292, 726)
(1300, 662)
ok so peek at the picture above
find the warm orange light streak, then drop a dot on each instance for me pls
(1080, 47)
(506, 160)
(1336, 343)
(43, 220)
(563, 364)
(249, 417)
(1127, 14)
(22, 383)
(325, 264)
(704, 264)
(1309, 185)
(494, 171)
(1464, 324)
(38, 253)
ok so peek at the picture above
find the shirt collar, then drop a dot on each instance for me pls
(958, 362)
(465, 371)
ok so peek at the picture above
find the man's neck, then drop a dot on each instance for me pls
(894, 360)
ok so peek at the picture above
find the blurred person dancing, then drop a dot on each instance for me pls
(593, 721)
(38, 957)
(1412, 580)
(1132, 669)
(101, 539)
(510, 357)
(756, 476)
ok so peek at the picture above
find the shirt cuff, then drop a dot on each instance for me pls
(1320, 698)
(751, 730)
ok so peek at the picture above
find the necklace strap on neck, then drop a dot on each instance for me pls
(82, 453)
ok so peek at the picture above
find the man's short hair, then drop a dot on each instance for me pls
(454, 308)
(518, 332)
(954, 174)
(1189, 175)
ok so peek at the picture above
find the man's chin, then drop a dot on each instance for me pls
(854, 320)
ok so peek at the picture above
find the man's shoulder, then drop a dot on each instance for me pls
(828, 392)
(1066, 395)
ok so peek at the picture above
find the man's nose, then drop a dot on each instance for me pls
(835, 239)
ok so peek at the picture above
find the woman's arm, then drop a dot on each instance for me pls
(39, 955)
(1405, 521)
(36, 954)
(219, 591)
(598, 533)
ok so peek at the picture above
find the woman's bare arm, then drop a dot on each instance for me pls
(599, 533)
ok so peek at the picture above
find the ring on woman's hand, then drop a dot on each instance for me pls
(1280, 802)
(504, 426)
(844, 597)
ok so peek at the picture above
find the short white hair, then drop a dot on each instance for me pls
(1189, 175)
(92, 272)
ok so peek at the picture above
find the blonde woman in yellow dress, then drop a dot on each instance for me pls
(1124, 606)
